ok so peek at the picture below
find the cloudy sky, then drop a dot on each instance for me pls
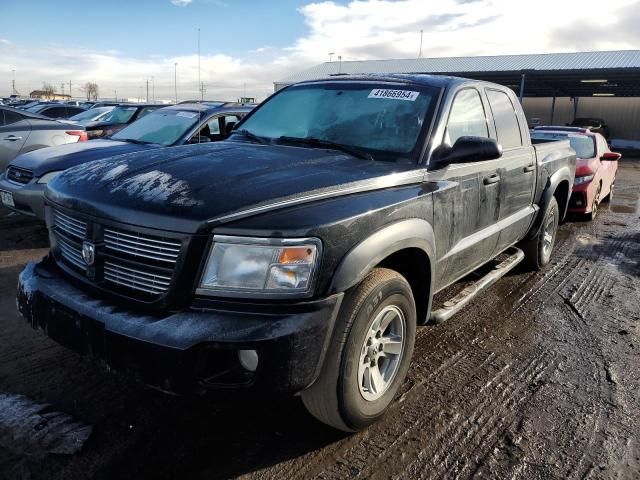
(248, 44)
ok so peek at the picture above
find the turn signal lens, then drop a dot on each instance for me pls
(303, 254)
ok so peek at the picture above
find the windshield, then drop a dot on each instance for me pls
(164, 127)
(385, 121)
(90, 115)
(120, 115)
(37, 108)
(584, 145)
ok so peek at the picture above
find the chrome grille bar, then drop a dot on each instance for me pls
(140, 245)
(69, 225)
(71, 254)
(136, 279)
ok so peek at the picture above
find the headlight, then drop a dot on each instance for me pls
(47, 177)
(581, 180)
(256, 267)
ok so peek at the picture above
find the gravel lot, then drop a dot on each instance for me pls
(538, 378)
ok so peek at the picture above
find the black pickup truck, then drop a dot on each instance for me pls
(301, 254)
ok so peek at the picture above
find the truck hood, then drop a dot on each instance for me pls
(194, 187)
(69, 155)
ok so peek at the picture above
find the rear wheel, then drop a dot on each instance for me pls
(369, 355)
(608, 198)
(537, 250)
(596, 202)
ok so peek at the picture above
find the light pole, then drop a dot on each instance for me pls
(153, 88)
(175, 80)
(331, 54)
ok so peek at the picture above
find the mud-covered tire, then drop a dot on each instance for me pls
(336, 397)
(594, 206)
(537, 250)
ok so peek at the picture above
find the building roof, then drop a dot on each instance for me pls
(548, 73)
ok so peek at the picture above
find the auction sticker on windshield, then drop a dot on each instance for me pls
(394, 94)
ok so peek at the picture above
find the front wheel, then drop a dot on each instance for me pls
(537, 250)
(369, 355)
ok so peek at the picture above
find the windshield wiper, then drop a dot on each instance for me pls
(317, 142)
(251, 136)
(131, 140)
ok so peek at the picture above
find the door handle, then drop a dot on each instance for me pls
(12, 138)
(495, 178)
(529, 168)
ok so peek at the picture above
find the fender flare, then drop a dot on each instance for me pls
(563, 174)
(361, 259)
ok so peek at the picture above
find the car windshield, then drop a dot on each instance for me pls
(37, 108)
(385, 120)
(584, 145)
(120, 115)
(90, 115)
(164, 127)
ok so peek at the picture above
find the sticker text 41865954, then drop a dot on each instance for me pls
(394, 94)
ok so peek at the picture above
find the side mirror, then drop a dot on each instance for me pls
(199, 139)
(610, 157)
(471, 149)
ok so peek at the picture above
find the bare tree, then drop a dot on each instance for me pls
(48, 90)
(91, 90)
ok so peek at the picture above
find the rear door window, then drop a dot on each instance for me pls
(467, 117)
(506, 121)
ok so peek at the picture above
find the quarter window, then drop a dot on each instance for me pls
(467, 117)
(504, 116)
(11, 117)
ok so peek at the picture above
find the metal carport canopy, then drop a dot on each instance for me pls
(574, 74)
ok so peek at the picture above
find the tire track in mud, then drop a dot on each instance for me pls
(501, 398)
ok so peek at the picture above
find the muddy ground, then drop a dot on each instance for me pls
(538, 378)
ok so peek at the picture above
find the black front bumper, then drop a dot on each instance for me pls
(184, 351)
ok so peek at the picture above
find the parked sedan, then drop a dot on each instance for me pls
(56, 110)
(24, 182)
(596, 166)
(22, 132)
(118, 118)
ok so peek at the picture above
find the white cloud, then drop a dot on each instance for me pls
(360, 29)
(181, 3)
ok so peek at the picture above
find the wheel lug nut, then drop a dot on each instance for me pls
(366, 359)
(378, 334)
(369, 342)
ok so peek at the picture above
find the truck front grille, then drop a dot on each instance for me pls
(69, 225)
(142, 246)
(125, 261)
(19, 175)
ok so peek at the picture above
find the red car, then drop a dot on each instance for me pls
(596, 166)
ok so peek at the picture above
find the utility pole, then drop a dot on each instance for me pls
(339, 63)
(13, 82)
(147, 91)
(203, 91)
(70, 88)
(199, 82)
(115, 95)
(420, 52)
(175, 80)
(62, 87)
(153, 88)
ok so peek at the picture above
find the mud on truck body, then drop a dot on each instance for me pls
(300, 255)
